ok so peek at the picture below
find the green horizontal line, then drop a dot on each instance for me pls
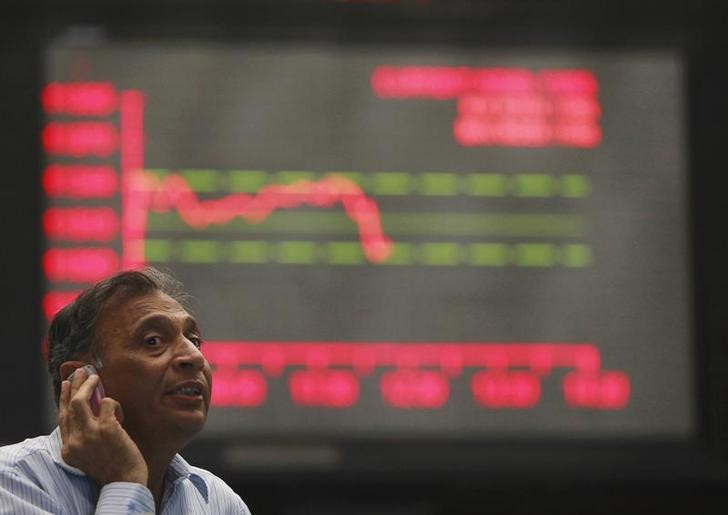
(344, 253)
(199, 251)
(295, 252)
(533, 186)
(440, 254)
(486, 185)
(536, 255)
(441, 184)
(335, 221)
(294, 221)
(289, 176)
(488, 254)
(158, 250)
(248, 251)
(391, 183)
(246, 181)
(302, 252)
(204, 181)
(381, 183)
(402, 254)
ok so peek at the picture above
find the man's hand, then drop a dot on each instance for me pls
(98, 446)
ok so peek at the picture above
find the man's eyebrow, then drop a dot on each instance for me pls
(166, 323)
(191, 325)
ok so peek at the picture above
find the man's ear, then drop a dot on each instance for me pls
(67, 367)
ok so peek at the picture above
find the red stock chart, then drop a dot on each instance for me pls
(389, 242)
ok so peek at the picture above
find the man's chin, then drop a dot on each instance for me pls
(190, 422)
(180, 423)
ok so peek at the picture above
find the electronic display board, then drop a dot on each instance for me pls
(390, 241)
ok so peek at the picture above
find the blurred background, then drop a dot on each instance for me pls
(448, 257)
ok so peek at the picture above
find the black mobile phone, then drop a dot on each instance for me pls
(98, 392)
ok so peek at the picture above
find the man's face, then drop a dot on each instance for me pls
(154, 368)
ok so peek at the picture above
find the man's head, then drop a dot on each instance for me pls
(134, 324)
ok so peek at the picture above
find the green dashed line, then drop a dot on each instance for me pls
(295, 252)
(491, 254)
(439, 254)
(535, 255)
(396, 224)
(344, 253)
(248, 252)
(438, 184)
(202, 181)
(488, 254)
(391, 183)
(576, 255)
(575, 186)
(289, 176)
(246, 181)
(445, 184)
(158, 251)
(485, 185)
(533, 185)
(336, 222)
(280, 222)
(402, 254)
(360, 178)
(198, 251)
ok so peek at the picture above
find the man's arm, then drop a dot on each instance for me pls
(20, 495)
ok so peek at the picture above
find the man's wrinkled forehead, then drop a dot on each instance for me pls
(122, 315)
(152, 302)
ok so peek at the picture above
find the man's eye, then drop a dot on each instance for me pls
(195, 339)
(153, 341)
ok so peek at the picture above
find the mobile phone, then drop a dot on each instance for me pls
(98, 392)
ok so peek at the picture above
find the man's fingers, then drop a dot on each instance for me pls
(79, 376)
(75, 380)
(79, 406)
(110, 408)
(86, 389)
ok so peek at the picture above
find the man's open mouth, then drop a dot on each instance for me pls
(192, 389)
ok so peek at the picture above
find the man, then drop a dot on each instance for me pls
(124, 458)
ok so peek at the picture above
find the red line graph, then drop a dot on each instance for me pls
(174, 193)
(143, 191)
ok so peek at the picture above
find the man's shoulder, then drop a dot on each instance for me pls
(218, 491)
(13, 454)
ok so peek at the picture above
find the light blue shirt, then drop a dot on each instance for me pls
(34, 479)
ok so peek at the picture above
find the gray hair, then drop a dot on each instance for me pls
(72, 333)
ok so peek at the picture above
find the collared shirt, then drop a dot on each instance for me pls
(34, 479)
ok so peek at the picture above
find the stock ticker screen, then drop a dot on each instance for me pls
(387, 241)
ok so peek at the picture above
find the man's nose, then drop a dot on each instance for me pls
(188, 355)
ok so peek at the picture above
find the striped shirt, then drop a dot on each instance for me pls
(34, 479)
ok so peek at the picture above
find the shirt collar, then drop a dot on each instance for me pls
(178, 469)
